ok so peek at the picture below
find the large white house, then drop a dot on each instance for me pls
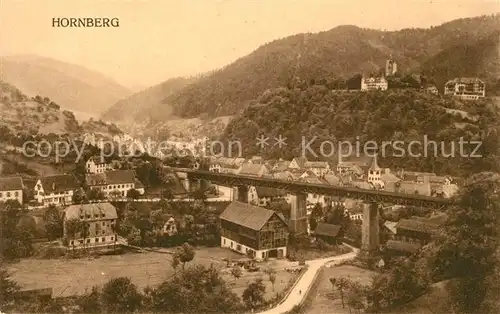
(96, 165)
(114, 183)
(56, 189)
(11, 188)
(98, 228)
(374, 83)
(465, 88)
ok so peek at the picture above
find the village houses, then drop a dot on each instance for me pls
(263, 196)
(114, 183)
(97, 221)
(11, 188)
(56, 189)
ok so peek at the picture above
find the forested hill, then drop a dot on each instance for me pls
(393, 115)
(476, 59)
(337, 53)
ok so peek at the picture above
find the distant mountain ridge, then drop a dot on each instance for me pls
(77, 87)
(338, 53)
(144, 104)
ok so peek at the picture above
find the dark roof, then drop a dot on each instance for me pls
(58, 183)
(416, 224)
(263, 191)
(301, 161)
(33, 223)
(120, 176)
(94, 210)
(11, 183)
(98, 160)
(402, 246)
(325, 229)
(252, 169)
(246, 215)
(111, 177)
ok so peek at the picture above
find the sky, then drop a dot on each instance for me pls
(159, 39)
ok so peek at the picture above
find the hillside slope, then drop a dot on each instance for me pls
(477, 59)
(20, 114)
(146, 103)
(74, 86)
(340, 52)
(316, 114)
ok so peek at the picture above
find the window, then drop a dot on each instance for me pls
(71, 242)
(16, 194)
(8, 194)
(1, 194)
(112, 238)
(224, 241)
(88, 240)
(96, 240)
(103, 232)
(103, 239)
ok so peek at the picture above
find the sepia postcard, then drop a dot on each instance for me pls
(250, 156)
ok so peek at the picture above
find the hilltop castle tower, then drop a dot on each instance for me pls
(391, 67)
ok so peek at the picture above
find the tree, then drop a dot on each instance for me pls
(185, 254)
(355, 296)
(198, 289)
(79, 197)
(133, 194)
(90, 303)
(120, 295)
(272, 279)
(271, 273)
(96, 195)
(53, 223)
(467, 251)
(175, 263)
(341, 284)
(400, 285)
(8, 287)
(253, 296)
(73, 227)
(168, 194)
(236, 272)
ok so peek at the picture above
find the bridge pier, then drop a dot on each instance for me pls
(240, 194)
(298, 214)
(370, 239)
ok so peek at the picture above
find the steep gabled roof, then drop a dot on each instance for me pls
(94, 210)
(246, 215)
(316, 164)
(111, 177)
(11, 183)
(301, 161)
(419, 225)
(248, 169)
(325, 229)
(59, 183)
(402, 246)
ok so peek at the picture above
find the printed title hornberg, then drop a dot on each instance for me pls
(85, 22)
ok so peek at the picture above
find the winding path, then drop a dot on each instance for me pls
(299, 291)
